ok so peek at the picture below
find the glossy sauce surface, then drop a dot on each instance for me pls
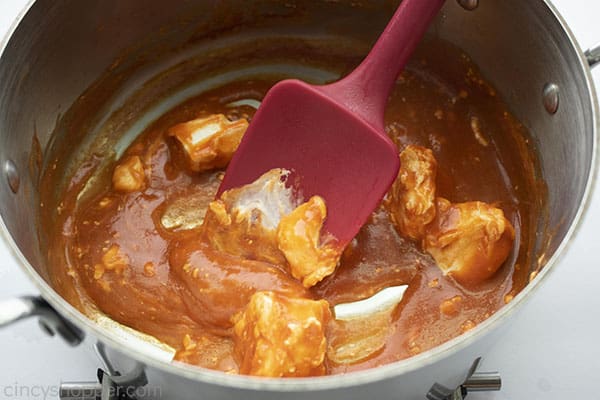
(482, 154)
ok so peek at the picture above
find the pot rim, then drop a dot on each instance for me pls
(351, 378)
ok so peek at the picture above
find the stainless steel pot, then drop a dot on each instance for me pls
(59, 48)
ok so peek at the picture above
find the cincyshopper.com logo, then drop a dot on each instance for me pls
(52, 392)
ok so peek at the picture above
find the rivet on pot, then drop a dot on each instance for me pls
(469, 4)
(12, 175)
(551, 97)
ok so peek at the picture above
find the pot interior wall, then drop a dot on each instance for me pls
(62, 48)
(522, 48)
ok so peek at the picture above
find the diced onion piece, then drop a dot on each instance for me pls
(245, 102)
(383, 300)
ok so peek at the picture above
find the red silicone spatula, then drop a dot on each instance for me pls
(332, 137)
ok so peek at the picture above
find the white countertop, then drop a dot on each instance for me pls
(551, 351)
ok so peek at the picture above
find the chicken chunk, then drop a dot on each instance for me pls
(469, 241)
(299, 238)
(260, 221)
(411, 199)
(218, 285)
(129, 175)
(209, 142)
(279, 336)
(244, 221)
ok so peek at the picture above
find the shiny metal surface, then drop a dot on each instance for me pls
(551, 97)
(112, 384)
(593, 56)
(13, 310)
(483, 382)
(469, 5)
(475, 382)
(80, 391)
(16, 309)
(57, 51)
(12, 176)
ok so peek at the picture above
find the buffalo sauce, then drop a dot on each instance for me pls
(136, 262)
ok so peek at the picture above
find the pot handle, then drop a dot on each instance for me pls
(18, 308)
(593, 56)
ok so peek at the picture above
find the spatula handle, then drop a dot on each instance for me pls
(365, 91)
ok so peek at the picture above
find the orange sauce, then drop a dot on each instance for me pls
(482, 154)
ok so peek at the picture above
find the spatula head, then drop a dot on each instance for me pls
(331, 152)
